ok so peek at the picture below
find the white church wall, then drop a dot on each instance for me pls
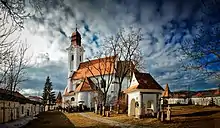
(126, 83)
(177, 101)
(70, 85)
(217, 100)
(90, 96)
(195, 100)
(83, 96)
(132, 95)
(201, 101)
(112, 91)
(68, 98)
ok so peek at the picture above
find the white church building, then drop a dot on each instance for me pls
(82, 86)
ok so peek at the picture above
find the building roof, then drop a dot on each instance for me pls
(145, 81)
(66, 93)
(59, 98)
(86, 85)
(199, 94)
(125, 67)
(207, 93)
(217, 92)
(166, 93)
(76, 33)
(95, 67)
(7, 92)
(196, 94)
(14, 96)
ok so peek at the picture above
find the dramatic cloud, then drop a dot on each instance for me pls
(57, 71)
(164, 25)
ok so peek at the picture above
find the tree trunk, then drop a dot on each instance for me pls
(104, 103)
(118, 98)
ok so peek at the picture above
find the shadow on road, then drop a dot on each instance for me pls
(203, 113)
(52, 119)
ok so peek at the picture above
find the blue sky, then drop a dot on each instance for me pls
(164, 25)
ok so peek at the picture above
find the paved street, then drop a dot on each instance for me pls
(17, 123)
(50, 120)
(111, 123)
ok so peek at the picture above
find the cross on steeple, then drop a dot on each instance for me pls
(76, 27)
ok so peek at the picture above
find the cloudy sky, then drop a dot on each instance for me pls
(164, 25)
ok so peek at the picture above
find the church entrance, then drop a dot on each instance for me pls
(81, 106)
(132, 107)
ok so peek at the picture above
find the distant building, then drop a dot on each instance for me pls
(35, 98)
(14, 105)
(204, 97)
(59, 100)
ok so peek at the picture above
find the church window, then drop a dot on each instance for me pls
(112, 88)
(103, 83)
(72, 57)
(80, 58)
(22, 109)
(72, 99)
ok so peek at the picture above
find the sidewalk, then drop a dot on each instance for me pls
(17, 123)
(110, 122)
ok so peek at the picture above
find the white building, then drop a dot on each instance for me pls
(85, 76)
(14, 106)
(204, 97)
(143, 95)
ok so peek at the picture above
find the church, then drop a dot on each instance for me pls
(83, 80)
(82, 86)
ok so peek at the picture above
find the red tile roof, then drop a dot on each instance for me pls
(59, 98)
(217, 92)
(66, 93)
(16, 94)
(95, 67)
(86, 85)
(145, 81)
(199, 94)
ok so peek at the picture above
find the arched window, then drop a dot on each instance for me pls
(149, 104)
(72, 99)
(72, 57)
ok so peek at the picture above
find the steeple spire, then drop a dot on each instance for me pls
(76, 38)
(76, 27)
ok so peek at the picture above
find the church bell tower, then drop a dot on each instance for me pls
(75, 56)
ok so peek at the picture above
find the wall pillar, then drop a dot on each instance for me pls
(140, 114)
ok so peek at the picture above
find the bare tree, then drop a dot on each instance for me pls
(12, 16)
(203, 50)
(6, 49)
(126, 46)
(14, 12)
(15, 67)
(102, 71)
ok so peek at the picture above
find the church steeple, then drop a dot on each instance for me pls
(75, 56)
(76, 38)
